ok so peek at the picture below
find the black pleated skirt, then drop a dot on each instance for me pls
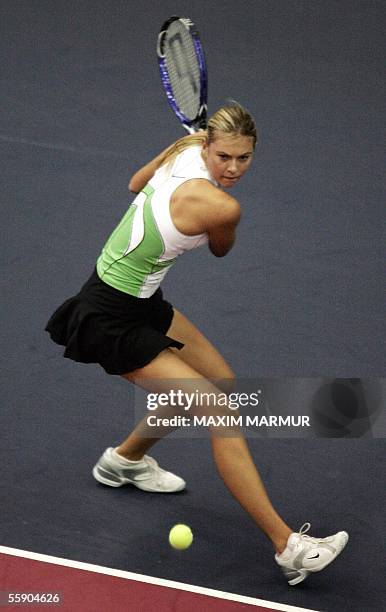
(119, 331)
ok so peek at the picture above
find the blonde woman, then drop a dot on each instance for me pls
(120, 320)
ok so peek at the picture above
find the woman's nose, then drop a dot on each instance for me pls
(232, 166)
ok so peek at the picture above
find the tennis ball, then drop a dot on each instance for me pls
(180, 537)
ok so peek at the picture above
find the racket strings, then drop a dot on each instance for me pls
(183, 68)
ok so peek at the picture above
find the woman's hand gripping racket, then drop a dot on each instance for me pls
(183, 72)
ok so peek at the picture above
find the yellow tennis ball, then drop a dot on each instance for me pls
(180, 537)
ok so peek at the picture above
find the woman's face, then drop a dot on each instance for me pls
(228, 158)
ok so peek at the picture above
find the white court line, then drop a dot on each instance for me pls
(98, 569)
(61, 147)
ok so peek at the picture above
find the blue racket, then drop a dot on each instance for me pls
(183, 72)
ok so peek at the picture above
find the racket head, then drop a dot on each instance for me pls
(183, 71)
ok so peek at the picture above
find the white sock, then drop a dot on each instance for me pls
(123, 460)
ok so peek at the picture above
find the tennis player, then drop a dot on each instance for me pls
(120, 320)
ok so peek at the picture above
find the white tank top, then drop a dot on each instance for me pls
(146, 243)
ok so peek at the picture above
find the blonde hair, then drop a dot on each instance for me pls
(232, 120)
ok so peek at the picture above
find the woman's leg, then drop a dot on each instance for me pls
(200, 354)
(231, 454)
(198, 351)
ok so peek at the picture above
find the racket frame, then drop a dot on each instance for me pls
(199, 122)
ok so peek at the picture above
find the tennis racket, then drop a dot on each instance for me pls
(183, 72)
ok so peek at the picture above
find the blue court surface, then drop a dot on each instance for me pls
(299, 301)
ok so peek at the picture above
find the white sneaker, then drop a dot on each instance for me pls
(304, 555)
(115, 471)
